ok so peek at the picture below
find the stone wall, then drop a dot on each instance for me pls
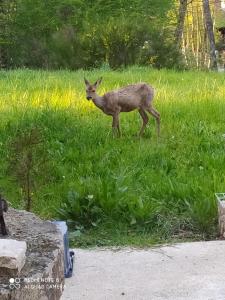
(42, 276)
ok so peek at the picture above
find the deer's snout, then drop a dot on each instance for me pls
(89, 97)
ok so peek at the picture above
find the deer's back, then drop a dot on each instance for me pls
(130, 97)
(138, 89)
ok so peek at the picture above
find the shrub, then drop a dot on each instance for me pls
(80, 211)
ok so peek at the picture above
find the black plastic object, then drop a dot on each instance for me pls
(68, 254)
(3, 208)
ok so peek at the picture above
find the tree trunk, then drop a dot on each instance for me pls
(180, 22)
(3, 16)
(210, 34)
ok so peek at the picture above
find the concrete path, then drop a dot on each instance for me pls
(193, 271)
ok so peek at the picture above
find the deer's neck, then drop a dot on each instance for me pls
(98, 101)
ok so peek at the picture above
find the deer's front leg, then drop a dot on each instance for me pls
(116, 124)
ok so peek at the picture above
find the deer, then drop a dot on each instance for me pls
(135, 96)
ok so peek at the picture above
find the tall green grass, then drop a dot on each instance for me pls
(164, 187)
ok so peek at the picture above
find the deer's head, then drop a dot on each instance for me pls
(91, 88)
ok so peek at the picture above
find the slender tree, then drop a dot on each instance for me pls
(2, 15)
(180, 22)
(210, 33)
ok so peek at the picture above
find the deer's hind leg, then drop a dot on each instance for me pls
(156, 115)
(145, 120)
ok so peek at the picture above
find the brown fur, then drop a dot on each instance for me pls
(136, 96)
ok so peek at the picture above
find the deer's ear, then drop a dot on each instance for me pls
(97, 83)
(86, 82)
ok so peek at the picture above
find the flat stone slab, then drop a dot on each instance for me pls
(187, 271)
(12, 256)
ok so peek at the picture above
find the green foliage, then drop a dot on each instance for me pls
(26, 160)
(165, 188)
(203, 214)
(77, 34)
(80, 211)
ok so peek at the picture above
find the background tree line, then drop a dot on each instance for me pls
(195, 32)
(77, 34)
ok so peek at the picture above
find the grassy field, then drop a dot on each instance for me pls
(118, 191)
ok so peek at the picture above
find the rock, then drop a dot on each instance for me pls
(221, 213)
(12, 257)
(42, 276)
